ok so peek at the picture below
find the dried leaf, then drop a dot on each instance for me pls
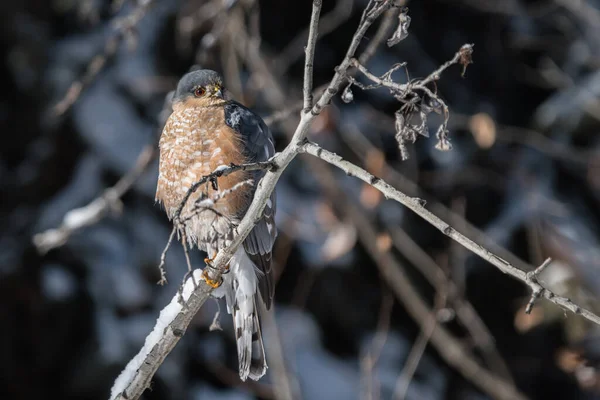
(402, 30)
(466, 57)
(347, 95)
(443, 143)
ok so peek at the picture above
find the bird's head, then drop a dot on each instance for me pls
(203, 87)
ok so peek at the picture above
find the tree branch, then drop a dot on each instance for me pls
(125, 29)
(395, 275)
(417, 206)
(82, 217)
(170, 327)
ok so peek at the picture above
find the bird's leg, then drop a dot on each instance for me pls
(211, 282)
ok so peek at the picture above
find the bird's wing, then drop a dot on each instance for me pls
(258, 146)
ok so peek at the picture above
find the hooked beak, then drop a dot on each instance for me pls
(218, 92)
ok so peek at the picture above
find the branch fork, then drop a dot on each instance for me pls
(537, 290)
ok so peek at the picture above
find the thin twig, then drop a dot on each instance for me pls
(418, 349)
(310, 54)
(380, 36)
(163, 256)
(538, 290)
(217, 173)
(376, 346)
(414, 103)
(327, 24)
(449, 347)
(465, 312)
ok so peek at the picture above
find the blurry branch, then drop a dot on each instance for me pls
(285, 386)
(116, 6)
(465, 312)
(417, 205)
(110, 200)
(414, 357)
(327, 24)
(125, 30)
(172, 324)
(88, 215)
(395, 275)
(484, 128)
(369, 360)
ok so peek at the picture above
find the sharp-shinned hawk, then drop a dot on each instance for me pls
(206, 130)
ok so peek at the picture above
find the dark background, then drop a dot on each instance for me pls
(524, 169)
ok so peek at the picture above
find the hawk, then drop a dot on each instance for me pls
(205, 131)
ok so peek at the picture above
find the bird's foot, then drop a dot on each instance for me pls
(211, 282)
(208, 262)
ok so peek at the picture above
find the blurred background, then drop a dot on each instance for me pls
(82, 89)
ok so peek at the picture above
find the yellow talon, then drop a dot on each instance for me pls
(211, 282)
(208, 262)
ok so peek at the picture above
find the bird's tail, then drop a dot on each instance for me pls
(250, 347)
(242, 304)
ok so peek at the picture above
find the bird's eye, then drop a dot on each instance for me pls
(199, 91)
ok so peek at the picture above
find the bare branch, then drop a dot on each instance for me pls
(537, 291)
(327, 24)
(88, 215)
(395, 274)
(465, 311)
(449, 347)
(415, 204)
(125, 29)
(414, 357)
(163, 256)
(310, 54)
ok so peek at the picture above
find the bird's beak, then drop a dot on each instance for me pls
(218, 92)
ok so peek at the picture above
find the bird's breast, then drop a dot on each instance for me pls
(194, 142)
